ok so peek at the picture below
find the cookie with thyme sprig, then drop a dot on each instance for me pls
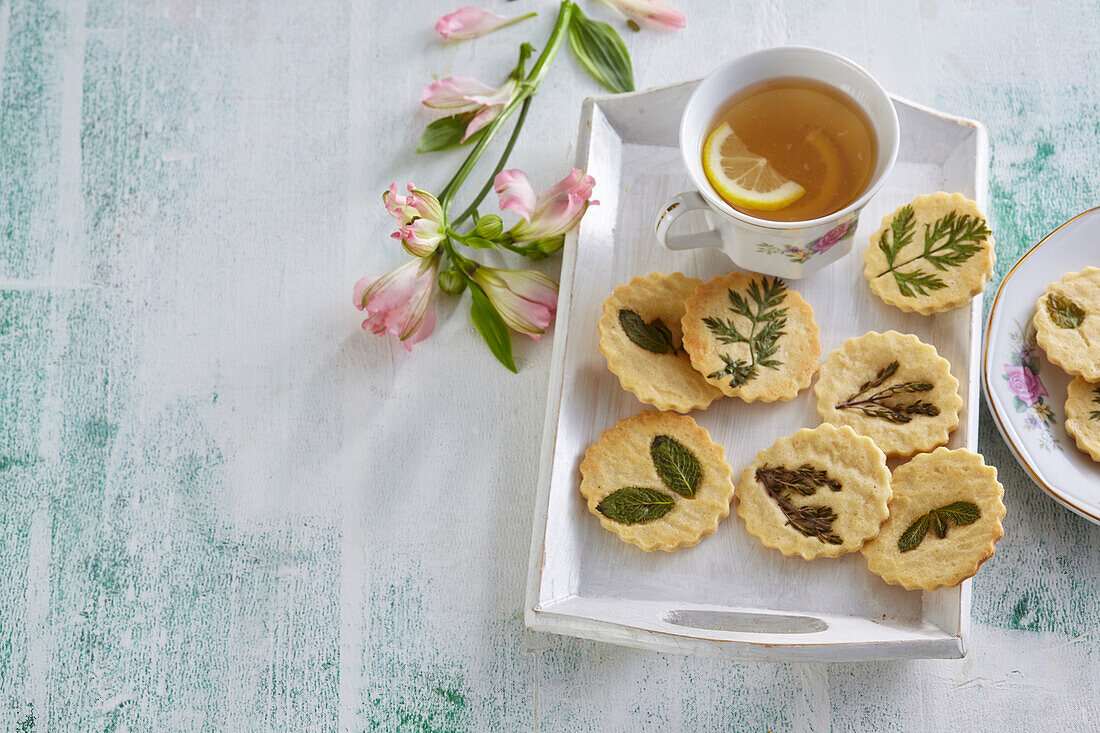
(640, 338)
(931, 255)
(1083, 415)
(893, 388)
(817, 493)
(1067, 323)
(751, 337)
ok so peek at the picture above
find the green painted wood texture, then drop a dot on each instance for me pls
(225, 507)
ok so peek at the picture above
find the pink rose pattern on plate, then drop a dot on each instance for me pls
(821, 245)
(1028, 389)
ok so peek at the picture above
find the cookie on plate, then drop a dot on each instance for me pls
(945, 518)
(640, 338)
(657, 481)
(818, 493)
(893, 388)
(1067, 323)
(751, 337)
(1083, 416)
(931, 255)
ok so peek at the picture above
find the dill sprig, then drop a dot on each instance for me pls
(948, 242)
(766, 323)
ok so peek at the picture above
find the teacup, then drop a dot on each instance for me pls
(790, 249)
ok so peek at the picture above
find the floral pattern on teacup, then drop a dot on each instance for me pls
(1028, 389)
(821, 245)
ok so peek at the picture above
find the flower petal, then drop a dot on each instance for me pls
(471, 22)
(454, 93)
(515, 192)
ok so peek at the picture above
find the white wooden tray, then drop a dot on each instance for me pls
(729, 596)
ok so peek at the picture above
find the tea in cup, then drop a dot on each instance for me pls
(785, 147)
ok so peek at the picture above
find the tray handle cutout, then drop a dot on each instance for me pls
(742, 622)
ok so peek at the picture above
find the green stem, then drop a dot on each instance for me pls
(499, 167)
(526, 88)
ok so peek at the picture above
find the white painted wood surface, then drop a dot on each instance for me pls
(226, 507)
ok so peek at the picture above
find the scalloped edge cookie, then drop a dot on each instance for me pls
(861, 504)
(1082, 398)
(858, 360)
(929, 481)
(963, 283)
(799, 347)
(1075, 350)
(666, 381)
(621, 458)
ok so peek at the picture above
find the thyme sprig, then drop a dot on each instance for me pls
(782, 483)
(1095, 414)
(764, 313)
(948, 242)
(876, 405)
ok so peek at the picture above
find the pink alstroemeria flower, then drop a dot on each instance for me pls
(526, 300)
(553, 213)
(653, 13)
(461, 94)
(400, 302)
(419, 219)
(471, 22)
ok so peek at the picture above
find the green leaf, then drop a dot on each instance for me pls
(901, 230)
(601, 50)
(768, 295)
(939, 526)
(911, 538)
(653, 336)
(635, 505)
(677, 466)
(1064, 312)
(479, 242)
(491, 327)
(917, 281)
(446, 134)
(960, 512)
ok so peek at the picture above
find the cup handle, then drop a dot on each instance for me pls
(676, 207)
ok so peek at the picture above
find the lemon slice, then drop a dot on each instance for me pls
(744, 178)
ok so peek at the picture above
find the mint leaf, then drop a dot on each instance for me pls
(1064, 312)
(635, 505)
(653, 336)
(911, 538)
(677, 466)
(960, 512)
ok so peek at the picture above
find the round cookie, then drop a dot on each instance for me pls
(1083, 416)
(931, 255)
(818, 493)
(641, 340)
(945, 518)
(1067, 323)
(657, 481)
(893, 388)
(726, 315)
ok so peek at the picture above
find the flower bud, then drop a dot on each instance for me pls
(551, 245)
(489, 226)
(451, 282)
